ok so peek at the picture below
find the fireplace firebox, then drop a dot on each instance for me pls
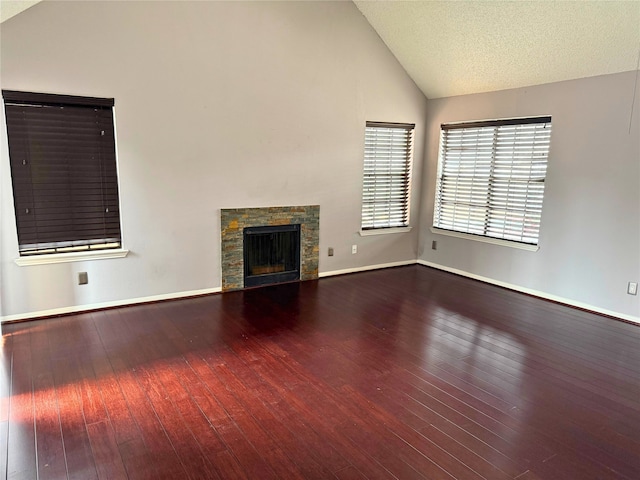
(271, 254)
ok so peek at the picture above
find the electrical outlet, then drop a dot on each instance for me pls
(331, 251)
(632, 288)
(83, 278)
(354, 249)
(434, 245)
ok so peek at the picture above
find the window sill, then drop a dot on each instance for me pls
(384, 231)
(71, 257)
(494, 241)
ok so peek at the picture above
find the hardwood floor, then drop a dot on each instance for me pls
(406, 373)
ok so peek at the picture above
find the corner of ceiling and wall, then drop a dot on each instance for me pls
(11, 8)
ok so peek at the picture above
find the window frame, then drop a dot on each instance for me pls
(398, 212)
(53, 247)
(496, 209)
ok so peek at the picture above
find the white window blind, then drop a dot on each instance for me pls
(387, 172)
(491, 178)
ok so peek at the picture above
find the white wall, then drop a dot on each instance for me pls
(590, 233)
(218, 105)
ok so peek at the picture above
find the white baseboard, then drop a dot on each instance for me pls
(536, 293)
(98, 306)
(206, 291)
(168, 296)
(368, 267)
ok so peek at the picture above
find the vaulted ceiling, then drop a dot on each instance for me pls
(460, 47)
(454, 48)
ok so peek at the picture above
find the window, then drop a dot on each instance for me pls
(63, 169)
(491, 178)
(387, 171)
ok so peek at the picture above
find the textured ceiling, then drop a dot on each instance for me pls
(470, 46)
(455, 48)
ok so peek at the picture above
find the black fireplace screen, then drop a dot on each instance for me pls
(271, 254)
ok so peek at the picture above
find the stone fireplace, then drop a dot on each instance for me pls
(234, 221)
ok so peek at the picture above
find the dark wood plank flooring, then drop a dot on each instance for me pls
(407, 373)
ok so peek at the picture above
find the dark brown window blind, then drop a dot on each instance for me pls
(64, 175)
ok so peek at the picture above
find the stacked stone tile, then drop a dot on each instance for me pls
(234, 220)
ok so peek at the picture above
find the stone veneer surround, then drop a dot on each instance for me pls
(234, 220)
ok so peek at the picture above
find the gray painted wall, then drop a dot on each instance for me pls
(590, 233)
(218, 105)
(226, 105)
